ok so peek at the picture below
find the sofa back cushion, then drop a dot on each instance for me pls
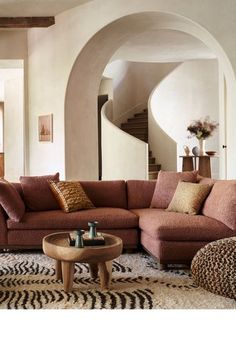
(11, 201)
(166, 185)
(221, 203)
(204, 180)
(37, 193)
(139, 193)
(106, 193)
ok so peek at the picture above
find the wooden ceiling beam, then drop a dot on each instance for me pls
(26, 22)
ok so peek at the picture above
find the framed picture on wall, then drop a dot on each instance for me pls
(45, 123)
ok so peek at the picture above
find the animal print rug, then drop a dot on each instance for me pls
(27, 281)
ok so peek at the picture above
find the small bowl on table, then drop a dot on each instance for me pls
(210, 153)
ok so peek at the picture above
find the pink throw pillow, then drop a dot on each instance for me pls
(11, 201)
(37, 193)
(221, 203)
(166, 185)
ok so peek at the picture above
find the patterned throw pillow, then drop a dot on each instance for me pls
(70, 195)
(189, 197)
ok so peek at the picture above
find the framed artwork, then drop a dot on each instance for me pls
(45, 128)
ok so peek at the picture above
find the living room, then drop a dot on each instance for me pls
(59, 70)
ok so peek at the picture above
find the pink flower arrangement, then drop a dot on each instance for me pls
(202, 129)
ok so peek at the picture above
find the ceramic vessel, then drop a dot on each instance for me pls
(202, 147)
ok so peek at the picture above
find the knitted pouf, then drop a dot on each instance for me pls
(214, 267)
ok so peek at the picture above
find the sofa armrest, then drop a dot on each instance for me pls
(3, 227)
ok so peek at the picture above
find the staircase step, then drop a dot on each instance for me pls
(153, 175)
(138, 120)
(143, 114)
(136, 130)
(154, 167)
(152, 160)
(138, 124)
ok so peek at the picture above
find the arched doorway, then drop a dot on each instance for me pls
(81, 96)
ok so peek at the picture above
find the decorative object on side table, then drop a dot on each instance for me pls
(186, 150)
(195, 151)
(79, 238)
(211, 153)
(79, 243)
(92, 229)
(202, 129)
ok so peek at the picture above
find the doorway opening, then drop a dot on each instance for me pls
(12, 120)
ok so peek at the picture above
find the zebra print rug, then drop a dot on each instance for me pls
(27, 281)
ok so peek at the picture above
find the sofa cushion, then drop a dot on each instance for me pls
(166, 185)
(70, 195)
(111, 193)
(11, 201)
(188, 197)
(140, 192)
(107, 218)
(172, 226)
(221, 203)
(37, 193)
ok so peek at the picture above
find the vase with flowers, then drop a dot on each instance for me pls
(202, 129)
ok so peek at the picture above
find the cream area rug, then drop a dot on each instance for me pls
(27, 281)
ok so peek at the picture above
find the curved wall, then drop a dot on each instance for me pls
(123, 156)
(58, 47)
(189, 92)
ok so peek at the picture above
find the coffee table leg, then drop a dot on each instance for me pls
(58, 270)
(93, 270)
(67, 275)
(105, 270)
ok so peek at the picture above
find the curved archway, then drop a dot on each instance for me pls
(82, 89)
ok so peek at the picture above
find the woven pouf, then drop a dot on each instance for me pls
(214, 267)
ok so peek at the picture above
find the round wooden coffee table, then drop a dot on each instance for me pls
(99, 258)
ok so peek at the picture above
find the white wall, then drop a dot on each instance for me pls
(14, 126)
(190, 92)
(123, 156)
(52, 54)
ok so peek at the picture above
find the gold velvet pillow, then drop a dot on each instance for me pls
(70, 195)
(189, 197)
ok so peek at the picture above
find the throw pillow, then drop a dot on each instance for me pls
(221, 203)
(37, 193)
(70, 195)
(11, 201)
(188, 197)
(166, 185)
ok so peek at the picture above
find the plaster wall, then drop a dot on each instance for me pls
(52, 54)
(14, 126)
(123, 156)
(189, 93)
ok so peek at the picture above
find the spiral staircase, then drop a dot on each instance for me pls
(137, 126)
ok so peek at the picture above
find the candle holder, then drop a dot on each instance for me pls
(92, 229)
(79, 243)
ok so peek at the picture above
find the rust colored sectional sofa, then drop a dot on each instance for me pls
(122, 209)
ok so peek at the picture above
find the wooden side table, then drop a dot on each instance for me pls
(187, 163)
(200, 163)
(204, 166)
(99, 258)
